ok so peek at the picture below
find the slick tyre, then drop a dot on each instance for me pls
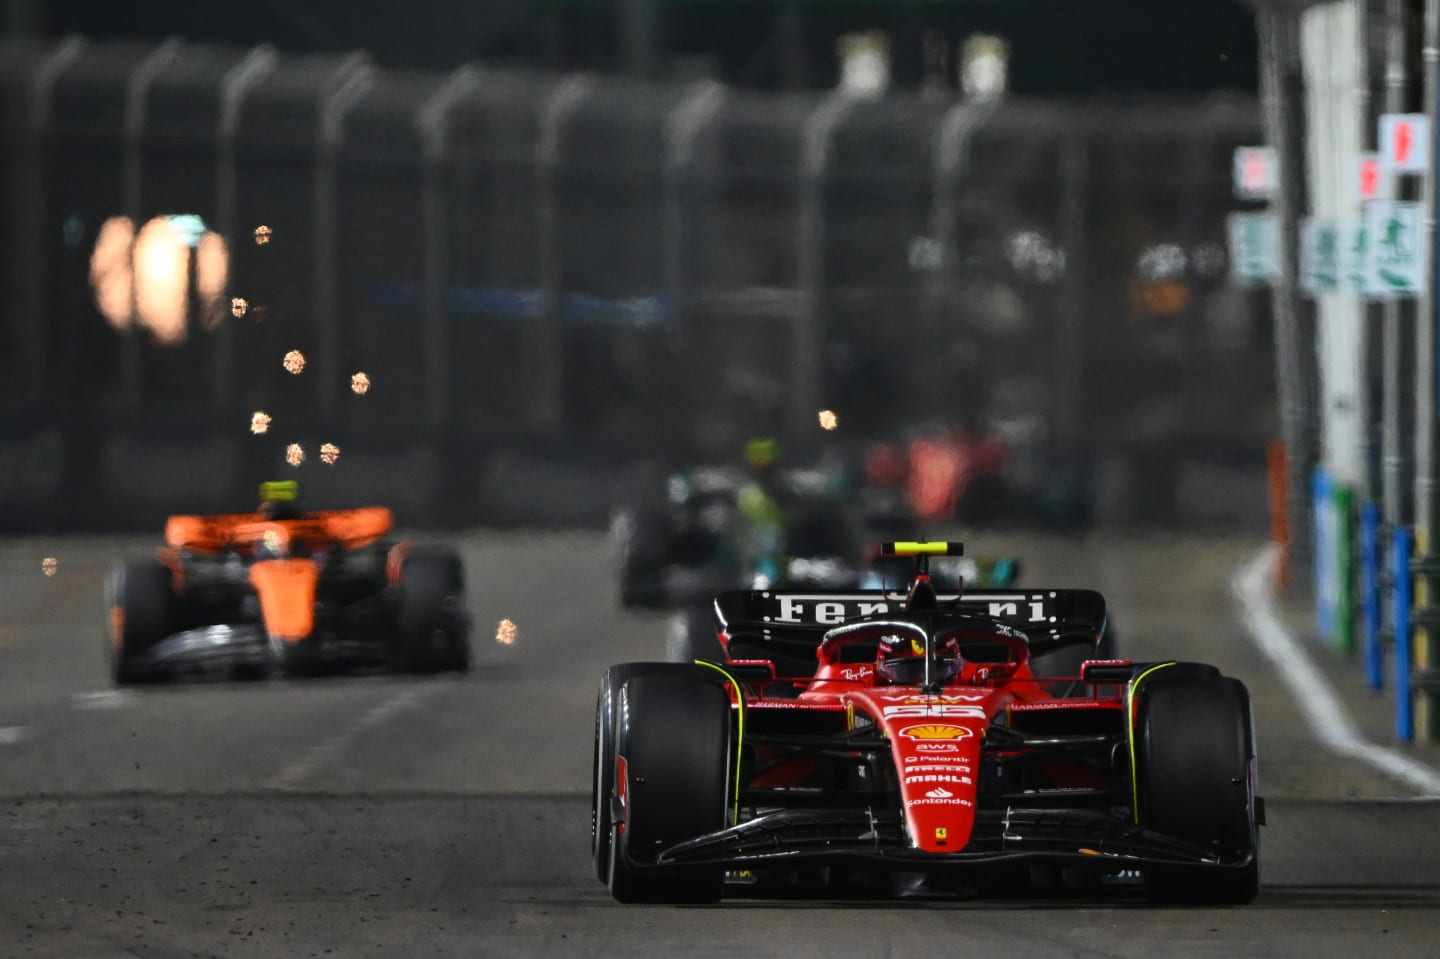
(1195, 781)
(607, 716)
(141, 611)
(432, 628)
(673, 739)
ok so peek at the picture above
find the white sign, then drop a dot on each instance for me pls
(1256, 172)
(1254, 248)
(1405, 142)
(1368, 179)
(1319, 256)
(1354, 257)
(1397, 247)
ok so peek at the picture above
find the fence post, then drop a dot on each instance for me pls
(432, 121)
(349, 83)
(237, 82)
(1400, 571)
(952, 150)
(550, 342)
(137, 89)
(816, 149)
(683, 128)
(1370, 596)
(1069, 396)
(29, 247)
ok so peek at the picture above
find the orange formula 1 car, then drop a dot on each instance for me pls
(301, 592)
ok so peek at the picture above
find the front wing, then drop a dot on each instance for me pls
(1002, 841)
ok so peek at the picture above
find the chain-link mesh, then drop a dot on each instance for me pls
(664, 270)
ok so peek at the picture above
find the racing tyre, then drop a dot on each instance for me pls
(607, 716)
(432, 626)
(1196, 781)
(672, 755)
(141, 608)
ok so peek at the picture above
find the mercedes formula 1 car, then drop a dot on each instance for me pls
(922, 752)
(281, 589)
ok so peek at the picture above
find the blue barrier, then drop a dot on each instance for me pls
(1370, 596)
(1327, 602)
(1400, 570)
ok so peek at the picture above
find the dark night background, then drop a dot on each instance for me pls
(1058, 47)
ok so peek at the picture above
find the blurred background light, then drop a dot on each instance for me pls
(984, 66)
(162, 279)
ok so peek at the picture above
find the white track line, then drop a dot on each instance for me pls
(104, 699)
(1318, 702)
(316, 756)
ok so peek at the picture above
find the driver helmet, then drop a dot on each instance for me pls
(279, 500)
(761, 455)
(900, 661)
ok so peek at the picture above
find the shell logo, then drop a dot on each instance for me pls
(932, 731)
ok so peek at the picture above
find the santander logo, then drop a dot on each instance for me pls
(939, 792)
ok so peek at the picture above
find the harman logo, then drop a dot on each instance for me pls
(934, 732)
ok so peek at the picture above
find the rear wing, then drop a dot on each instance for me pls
(1048, 617)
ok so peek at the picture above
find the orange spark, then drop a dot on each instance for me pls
(259, 422)
(294, 455)
(360, 383)
(262, 235)
(49, 565)
(238, 307)
(506, 632)
(828, 420)
(329, 453)
(294, 361)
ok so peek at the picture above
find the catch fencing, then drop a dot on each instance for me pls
(573, 278)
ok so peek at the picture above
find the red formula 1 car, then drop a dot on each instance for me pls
(923, 753)
(289, 590)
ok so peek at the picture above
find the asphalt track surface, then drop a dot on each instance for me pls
(390, 816)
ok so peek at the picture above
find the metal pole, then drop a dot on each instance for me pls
(816, 145)
(1393, 462)
(1282, 108)
(567, 98)
(432, 120)
(137, 88)
(1366, 406)
(1425, 368)
(683, 128)
(1070, 319)
(952, 153)
(29, 230)
(237, 82)
(349, 84)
